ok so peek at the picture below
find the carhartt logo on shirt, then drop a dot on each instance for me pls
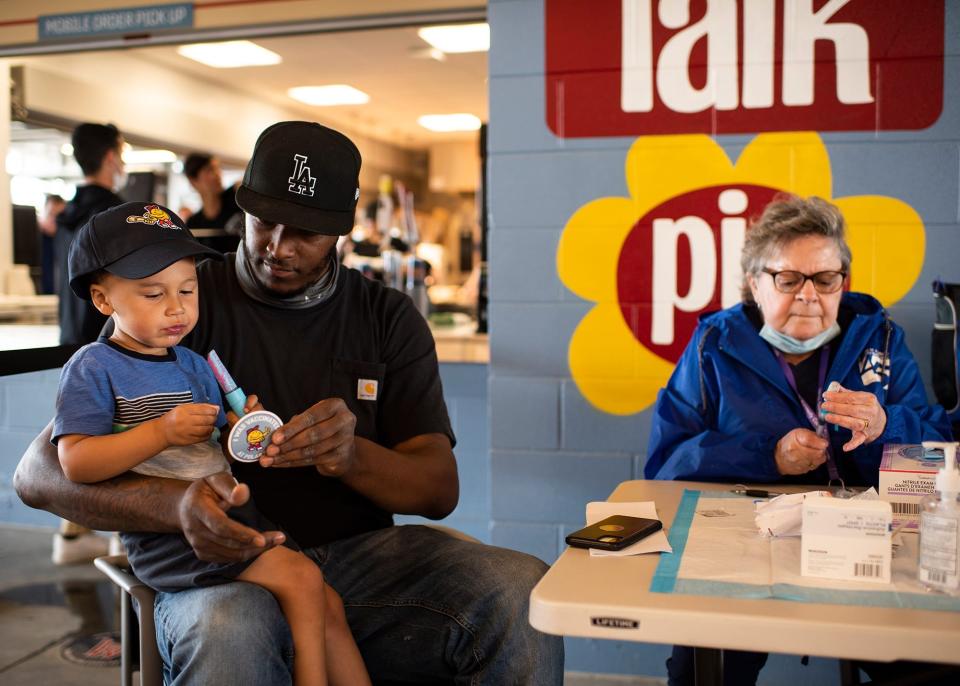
(367, 389)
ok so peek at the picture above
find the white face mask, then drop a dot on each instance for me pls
(794, 346)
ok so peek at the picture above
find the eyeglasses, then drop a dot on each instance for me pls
(793, 282)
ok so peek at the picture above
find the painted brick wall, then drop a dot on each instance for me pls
(551, 450)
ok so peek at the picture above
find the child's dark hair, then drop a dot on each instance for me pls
(91, 143)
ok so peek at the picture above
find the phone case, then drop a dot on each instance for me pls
(614, 533)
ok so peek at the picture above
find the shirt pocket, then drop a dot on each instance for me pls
(360, 385)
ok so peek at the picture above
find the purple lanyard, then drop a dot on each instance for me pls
(813, 417)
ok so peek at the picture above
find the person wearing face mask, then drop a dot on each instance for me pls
(749, 399)
(97, 149)
(795, 332)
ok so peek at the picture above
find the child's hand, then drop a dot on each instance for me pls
(252, 404)
(189, 424)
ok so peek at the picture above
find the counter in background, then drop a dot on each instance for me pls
(460, 342)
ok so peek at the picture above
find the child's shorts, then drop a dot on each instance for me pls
(166, 562)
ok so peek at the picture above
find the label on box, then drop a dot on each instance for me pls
(938, 552)
(846, 539)
(907, 473)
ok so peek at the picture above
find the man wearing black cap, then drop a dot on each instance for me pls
(351, 367)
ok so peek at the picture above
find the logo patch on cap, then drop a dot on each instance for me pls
(153, 215)
(301, 182)
(367, 389)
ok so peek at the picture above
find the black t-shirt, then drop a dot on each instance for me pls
(364, 334)
(228, 208)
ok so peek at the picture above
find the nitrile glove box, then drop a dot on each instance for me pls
(846, 539)
(907, 473)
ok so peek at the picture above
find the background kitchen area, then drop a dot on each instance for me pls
(413, 98)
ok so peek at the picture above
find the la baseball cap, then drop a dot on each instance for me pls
(132, 240)
(305, 175)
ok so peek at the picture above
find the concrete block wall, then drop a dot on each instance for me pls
(551, 449)
(26, 405)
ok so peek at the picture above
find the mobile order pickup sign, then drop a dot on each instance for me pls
(119, 20)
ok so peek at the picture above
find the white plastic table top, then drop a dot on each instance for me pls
(602, 597)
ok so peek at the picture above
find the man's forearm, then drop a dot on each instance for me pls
(129, 502)
(418, 477)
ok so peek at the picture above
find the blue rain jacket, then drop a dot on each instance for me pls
(728, 402)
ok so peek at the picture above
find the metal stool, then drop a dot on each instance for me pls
(138, 638)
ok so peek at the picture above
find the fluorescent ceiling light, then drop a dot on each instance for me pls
(457, 37)
(326, 96)
(443, 123)
(148, 157)
(230, 54)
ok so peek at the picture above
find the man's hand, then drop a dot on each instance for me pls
(321, 437)
(858, 411)
(213, 536)
(800, 451)
(188, 424)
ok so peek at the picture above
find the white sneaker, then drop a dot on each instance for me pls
(83, 548)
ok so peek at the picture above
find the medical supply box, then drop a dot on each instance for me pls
(907, 473)
(846, 539)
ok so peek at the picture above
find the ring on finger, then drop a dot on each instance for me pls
(866, 423)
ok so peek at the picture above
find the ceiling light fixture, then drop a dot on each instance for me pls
(457, 37)
(446, 123)
(230, 54)
(328, 96)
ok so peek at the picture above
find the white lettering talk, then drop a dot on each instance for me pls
(671, 69)
(703, 272)
(802, 28)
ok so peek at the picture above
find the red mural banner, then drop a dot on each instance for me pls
(632, 67)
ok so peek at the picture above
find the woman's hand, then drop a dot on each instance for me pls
(800, 451)
(858, 411)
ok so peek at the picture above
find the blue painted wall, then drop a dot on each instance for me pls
(551, 450)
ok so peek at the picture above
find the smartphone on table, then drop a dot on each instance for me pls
(614, 533)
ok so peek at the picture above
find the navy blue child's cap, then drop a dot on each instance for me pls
(132, 240)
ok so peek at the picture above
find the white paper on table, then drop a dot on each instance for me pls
(654, 543)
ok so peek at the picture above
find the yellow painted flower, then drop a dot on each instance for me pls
(654, 261)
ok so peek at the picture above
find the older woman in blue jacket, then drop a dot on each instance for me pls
(748, 400)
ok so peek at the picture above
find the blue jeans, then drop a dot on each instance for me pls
(424, 608)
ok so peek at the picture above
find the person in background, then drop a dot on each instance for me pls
(53, 205)
(218, 205)
(98, 150)
(795, 332)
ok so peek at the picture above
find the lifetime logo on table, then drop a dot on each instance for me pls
(615, 622)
